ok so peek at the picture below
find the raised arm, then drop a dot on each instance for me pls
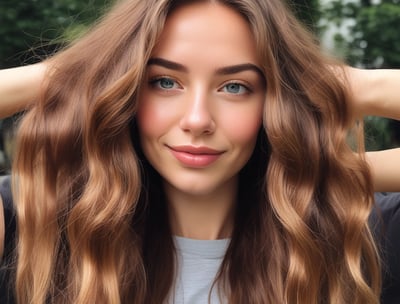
(377, 93)
(19, 87)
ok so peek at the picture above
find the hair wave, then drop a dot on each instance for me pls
(92, 222)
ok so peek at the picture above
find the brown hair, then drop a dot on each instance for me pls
(92, 221)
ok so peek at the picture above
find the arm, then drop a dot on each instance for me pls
(377, 93)
(385, 169)
(19, 87)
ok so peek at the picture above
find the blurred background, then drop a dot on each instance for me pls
(364, 33)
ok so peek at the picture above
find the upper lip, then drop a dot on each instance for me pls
(195, 150)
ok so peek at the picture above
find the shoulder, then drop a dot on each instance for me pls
(385, 217)
(385, 224)
(388, 203)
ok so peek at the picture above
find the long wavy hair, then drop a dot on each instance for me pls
(92, 220)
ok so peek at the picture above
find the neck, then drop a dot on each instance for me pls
(206, 216)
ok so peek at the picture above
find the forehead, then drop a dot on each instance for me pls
(207, 29)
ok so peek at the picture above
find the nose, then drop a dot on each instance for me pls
(198, 118)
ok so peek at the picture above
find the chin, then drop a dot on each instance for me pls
(195, 190)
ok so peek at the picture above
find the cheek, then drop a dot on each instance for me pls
(243, 129)
(152, 118)
(145, 117)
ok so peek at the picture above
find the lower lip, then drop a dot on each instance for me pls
(195, 160)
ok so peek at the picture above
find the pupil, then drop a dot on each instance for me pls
(234, 88)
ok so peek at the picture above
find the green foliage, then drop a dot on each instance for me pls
(380, 133)
(377, 34)
(374, 37)
(308, 11)
(32, 28)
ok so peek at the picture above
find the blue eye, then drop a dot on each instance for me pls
(235, 88)
(164, 83)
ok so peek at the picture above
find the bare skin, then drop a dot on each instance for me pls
(20, 87)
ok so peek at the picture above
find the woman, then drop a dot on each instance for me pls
(192, 152)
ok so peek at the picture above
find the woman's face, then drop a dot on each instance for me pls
(201, 106)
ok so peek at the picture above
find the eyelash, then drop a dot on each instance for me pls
(153, 81)
(239, 83)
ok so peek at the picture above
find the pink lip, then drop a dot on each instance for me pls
(195, 157)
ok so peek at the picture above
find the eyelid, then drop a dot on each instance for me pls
(152, 80)
(245, 84)
(158, 77)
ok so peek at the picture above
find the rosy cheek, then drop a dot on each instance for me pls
(152, 118)
(145, 117)
(244, 129)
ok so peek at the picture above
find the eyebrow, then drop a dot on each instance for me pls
(233, 69)
(167, 64)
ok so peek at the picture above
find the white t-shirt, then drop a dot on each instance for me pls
(198, 264)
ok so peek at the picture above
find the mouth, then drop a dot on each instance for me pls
(195, 150)
(195, 157)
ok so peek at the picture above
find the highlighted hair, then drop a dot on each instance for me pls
(92, 223)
